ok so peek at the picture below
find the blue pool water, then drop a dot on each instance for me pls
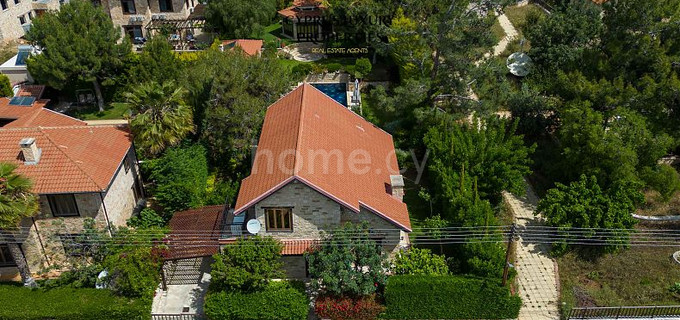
(337, 91)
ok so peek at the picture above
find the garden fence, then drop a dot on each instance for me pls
(649, 312)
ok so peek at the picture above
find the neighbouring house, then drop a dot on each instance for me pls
(15, 68)
(319, 165)
(138, 18)
(79, 172)
(303, 21)
(251, 47)
(16, 16)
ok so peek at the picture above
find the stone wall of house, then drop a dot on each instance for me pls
(43, 246)
(295, 266)
(10, 26)
(120, 199)
(312, 211)
(145, 9)
(395, 238)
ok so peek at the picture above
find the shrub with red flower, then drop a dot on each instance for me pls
(345, 308)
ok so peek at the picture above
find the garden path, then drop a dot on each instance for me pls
(537, 276)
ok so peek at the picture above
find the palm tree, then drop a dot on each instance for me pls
(160, 116)
(16, 202)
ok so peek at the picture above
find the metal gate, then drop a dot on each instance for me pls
(185, 271)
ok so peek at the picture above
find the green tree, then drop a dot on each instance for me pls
(664, 179)
(5, 86)
(134, 271)
(348, 262)
(238, 19)
(229, 111)
(157, 62)
(147, 218)
(493, 154)
(16, 202)
(247, 265)
(362, 67)
(560, 39)
(420, 262)
(614, 148)
(79, 44)
(583, 204)
(180, 177)
(160, 117)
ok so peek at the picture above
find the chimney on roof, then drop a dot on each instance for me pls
(30, 151)
(397, 186)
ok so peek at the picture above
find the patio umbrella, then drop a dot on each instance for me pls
(356, 91)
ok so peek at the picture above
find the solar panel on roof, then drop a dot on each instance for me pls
(22, 101)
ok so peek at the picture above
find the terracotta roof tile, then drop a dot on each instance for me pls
(303, 126)
(28, 90)
(74, 157)
(194, 233)
(249, 46)
(297, 246)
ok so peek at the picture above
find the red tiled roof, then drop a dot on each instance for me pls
(306, 123)
(194, 233)
(250, 46)
(293, 12)
(28, 90)
(34, 115)
(73, 158)
(291, 247)
(297, 246)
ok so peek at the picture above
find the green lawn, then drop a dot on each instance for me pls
(637, 276)
(115, 110)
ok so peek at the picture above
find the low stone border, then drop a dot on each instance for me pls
(656, 218)
(676, 256)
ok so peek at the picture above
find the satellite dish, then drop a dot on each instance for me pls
(253, 226)
(519, 64)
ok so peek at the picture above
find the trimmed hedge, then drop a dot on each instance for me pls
(19, 303)
(448, 297)
(279, 301)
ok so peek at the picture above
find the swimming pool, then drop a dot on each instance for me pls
(337, 91)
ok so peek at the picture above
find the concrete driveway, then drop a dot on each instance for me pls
(178, 297)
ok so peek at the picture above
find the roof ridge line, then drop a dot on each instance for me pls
(69, 158)
(350, 110)
(299, 132)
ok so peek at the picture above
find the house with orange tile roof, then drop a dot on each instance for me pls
(318, 165)
(303, 21)
(251, 47)
(79, 172)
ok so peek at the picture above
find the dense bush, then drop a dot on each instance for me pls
(84, 277)
(302, 70)
(180, 176)
(348, 262)
(5, 86)
(664, 179)
(362, 67)
(133, 271)
(147, 218)
(448, 297)
(248, 265)
(583, 204)
(278, 301)
(344, 308)
(19, 303)
(420, 262)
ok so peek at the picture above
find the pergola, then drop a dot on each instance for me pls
(181, 30)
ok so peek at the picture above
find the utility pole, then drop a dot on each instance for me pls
(511, 240)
